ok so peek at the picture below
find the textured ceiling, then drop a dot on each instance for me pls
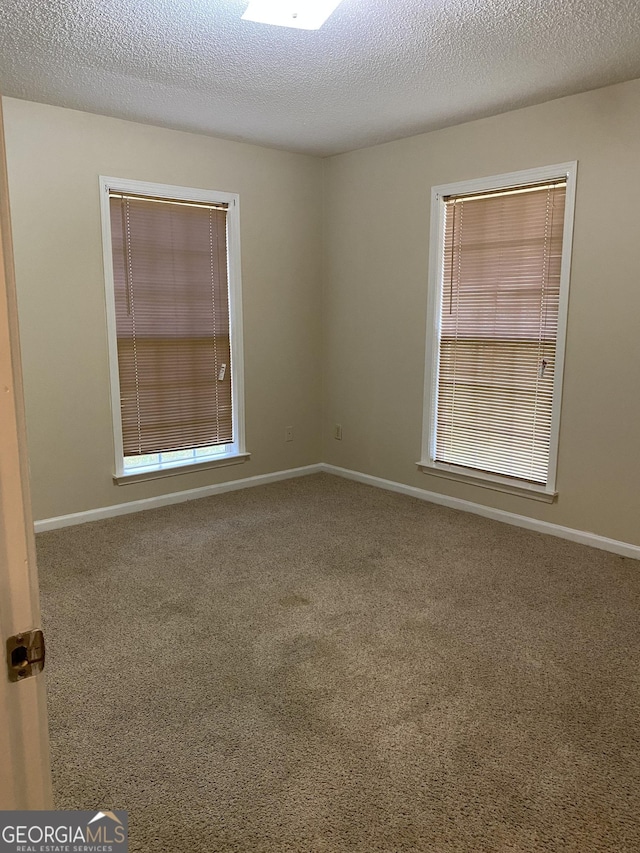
(377, 70)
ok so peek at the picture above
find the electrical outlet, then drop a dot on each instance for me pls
(337, 432)
(288, 433)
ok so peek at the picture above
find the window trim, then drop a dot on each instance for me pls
(237, 451)
(428, 463)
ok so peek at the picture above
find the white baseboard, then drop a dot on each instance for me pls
(584, 537)
(172, 498)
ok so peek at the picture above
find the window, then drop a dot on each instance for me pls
(500, 250)
(174, 316)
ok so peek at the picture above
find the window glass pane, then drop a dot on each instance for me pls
(172, 322)
(499, 300)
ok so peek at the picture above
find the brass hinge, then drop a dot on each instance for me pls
(25, 655)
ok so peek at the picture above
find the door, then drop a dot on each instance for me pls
(25, 781)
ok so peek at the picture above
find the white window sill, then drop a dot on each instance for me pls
(489, 481)
(186, 468)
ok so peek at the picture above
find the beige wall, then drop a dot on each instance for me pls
(349, 319)
(377, 204)
(54, 158)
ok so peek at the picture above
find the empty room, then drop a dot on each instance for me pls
(319, 470)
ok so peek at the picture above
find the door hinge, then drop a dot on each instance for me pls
(25, 655)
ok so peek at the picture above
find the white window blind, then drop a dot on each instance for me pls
(499, 305)
(172, 323)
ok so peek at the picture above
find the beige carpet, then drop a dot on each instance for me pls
(317, 665)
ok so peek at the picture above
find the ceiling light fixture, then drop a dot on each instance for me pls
(299, 14)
